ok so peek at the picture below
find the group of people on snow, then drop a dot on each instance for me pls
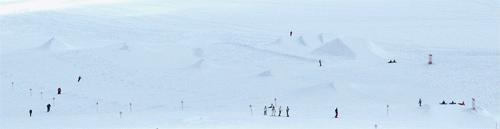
(392, 61)
(452, 103)
(273, 109)
(59, 92)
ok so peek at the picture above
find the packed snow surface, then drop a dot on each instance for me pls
(218, 63)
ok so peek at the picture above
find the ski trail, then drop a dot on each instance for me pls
(248, 47)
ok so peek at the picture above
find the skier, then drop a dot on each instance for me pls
(58, 91)
(48, 107)
(31, 111)
(287, 109)
(320, 63)
(420, 102)
(265, 110)
(443, 103)
(336, 113)
(279, 114)
(290, 33)
(79, 78)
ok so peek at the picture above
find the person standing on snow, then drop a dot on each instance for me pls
(279, 113)
(31, 111)
(58, 91)
(290, 33)
(48, 107)
(336, 113)
(274, 111)
(287, 109)
(420, 102)
(265, 110)
(473, 104)
(320, 63)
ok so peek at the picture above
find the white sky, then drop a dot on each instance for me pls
(21, 6)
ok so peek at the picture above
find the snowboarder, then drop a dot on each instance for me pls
(279, 112)
(31, 111)
(336, 113)
(48, 107)
(79, 78)
(443, 103)
(420, 102)
(265, 110)
(320, 63)
(287, 109)
(58, 91)
(290, 33)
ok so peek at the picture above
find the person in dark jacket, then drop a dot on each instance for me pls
(273, 109)
(287, 109)
(79, 78)
(31, 111)
(420, 102)
(279, 111)
(336, 113)
(443, 103)
(462, 103)
(48, 107)
(58, 91)
(290, 33)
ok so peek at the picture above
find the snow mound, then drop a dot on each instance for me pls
(55, 45)
(266, 73)
(301, 41)
(198, 64)
(321, 38)
(365, 49)
(198, 52)
(125, 47)
(334, 48)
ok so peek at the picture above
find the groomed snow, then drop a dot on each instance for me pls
(143, 58)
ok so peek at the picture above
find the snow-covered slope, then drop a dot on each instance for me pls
(199, 64)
